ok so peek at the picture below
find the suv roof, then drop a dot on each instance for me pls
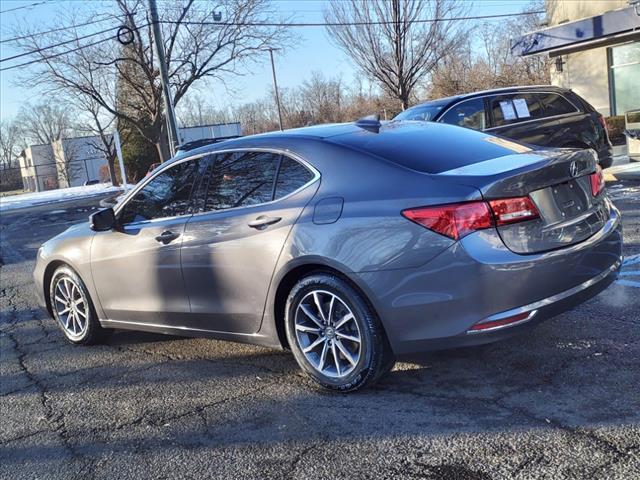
(493, 91)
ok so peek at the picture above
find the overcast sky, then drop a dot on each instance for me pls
(314, 52)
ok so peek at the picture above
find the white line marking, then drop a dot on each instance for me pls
(628, 283)
(632, 260)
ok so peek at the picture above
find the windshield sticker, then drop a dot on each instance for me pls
(521, 108)
(508, 113)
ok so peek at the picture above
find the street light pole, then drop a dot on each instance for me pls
(172, 126)
(275, 86)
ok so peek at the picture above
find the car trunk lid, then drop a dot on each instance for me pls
(559, 184)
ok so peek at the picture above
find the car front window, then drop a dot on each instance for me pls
(237, 179)
(423, 113)
(167, 195)
(469, 114)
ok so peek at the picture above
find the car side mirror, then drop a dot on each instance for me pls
(103, 220)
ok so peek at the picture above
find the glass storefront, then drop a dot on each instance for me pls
(624, 77)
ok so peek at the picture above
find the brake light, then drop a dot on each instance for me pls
(597, 181)
(511, 210)
(602, 121)
(455, 220)
(459, 219)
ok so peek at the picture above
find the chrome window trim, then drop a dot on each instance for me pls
(278, 151)
(578, 110)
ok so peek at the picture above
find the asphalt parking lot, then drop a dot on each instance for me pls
(561, 402)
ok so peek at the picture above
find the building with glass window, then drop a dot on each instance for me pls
(596, 47)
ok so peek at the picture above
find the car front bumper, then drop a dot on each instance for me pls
(479, 280)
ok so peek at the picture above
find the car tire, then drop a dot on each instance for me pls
(335, 335)
(73, 308)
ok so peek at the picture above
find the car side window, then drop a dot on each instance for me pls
(508, 109)
(469, 113)
(555, 104)
(237, 179)
(291, 176)
(167, 195)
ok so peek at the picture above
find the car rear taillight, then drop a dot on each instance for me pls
(459, 219)
(597, 181)
(602, 121)
(455, 220)
(512, 210)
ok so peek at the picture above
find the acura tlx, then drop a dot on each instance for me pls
(348, 244)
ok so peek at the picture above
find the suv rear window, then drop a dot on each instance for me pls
(555, 104)
(513, 108)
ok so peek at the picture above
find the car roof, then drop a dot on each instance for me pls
(316, 132)
(422, 146)
(493, 91)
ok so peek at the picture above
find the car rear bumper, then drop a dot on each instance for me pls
(479, 280)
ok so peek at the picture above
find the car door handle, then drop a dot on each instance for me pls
(167, 236)
(263, 222)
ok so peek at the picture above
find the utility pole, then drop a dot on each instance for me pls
(275, 86)
(172, 126)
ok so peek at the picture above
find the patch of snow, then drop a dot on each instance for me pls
(53, 196)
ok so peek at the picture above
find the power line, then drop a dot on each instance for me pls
(49, 47)
(31, 5)
(53, 30)
(347, 24)
(37, 60)
(271, 24)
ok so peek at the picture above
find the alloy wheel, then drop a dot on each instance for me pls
(71, 307)
(328, 333)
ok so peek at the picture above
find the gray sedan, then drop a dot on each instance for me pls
(349, 244)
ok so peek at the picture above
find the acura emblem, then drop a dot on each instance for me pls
(573, 169)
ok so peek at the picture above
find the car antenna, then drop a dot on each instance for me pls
(370, 123)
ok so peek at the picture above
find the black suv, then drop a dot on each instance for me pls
(542, 115)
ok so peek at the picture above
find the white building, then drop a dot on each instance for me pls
(38, 168)
(69, 162)
(79, 160)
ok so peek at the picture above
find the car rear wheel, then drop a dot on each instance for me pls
(73, 309)
(335, 335)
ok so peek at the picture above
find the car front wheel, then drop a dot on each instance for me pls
(335, 335)
(72, 308)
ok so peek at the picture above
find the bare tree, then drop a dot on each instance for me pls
(492, 64)
(390, 40)
(10, 147)
(197, 49)
(317, 100)
(44, 123)
(323, 98)
(100, 124)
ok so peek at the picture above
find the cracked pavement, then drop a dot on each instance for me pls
(560, 402)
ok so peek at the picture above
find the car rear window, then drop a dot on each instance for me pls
(430, 147)
(555, 104)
